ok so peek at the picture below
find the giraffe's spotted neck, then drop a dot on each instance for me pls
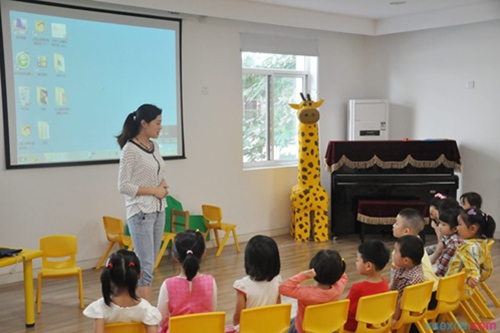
(309, 166)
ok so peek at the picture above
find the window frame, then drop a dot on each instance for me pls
(270, 74)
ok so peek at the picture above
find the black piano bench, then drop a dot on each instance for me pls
(384, 212)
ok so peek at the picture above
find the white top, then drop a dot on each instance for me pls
(259, 293)
(143, 312)
(140, 168)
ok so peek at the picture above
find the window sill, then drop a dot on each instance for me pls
(269, 165)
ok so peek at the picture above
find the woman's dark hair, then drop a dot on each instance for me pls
(450, 217)
(262, 258)
(122, 272)
(132, 124)
(473, 198)
(411, 247)
(329, 266)
(188, 249)
(375, 252)
(484, 221)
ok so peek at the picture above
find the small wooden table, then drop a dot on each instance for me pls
(26, 256)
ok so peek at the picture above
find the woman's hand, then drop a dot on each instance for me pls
(161, 191)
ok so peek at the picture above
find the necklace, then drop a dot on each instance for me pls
(147, 147)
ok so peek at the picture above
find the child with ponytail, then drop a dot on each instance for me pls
(475, 227)
(190, 291)
(119, 302)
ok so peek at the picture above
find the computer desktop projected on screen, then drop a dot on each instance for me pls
(71, 75)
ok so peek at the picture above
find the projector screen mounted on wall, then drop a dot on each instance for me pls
(71, 75)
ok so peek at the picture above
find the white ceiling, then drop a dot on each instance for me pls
(372, 9)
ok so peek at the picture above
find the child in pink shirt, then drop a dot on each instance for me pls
(327, 268)
(190, 291)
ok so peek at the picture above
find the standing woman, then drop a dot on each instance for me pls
(141, 179)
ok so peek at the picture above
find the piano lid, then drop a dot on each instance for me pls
(426, 154)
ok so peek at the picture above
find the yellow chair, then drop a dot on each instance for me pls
(413, 305)
(58, 261)
(213, 221)
(180, 218)
(115, 233)
(477, 301)
(483, 284)
(374, 312)
(470, 316)
(208, 322)
(132, 327)
(448, 294)
(270, 319)
(326, 318)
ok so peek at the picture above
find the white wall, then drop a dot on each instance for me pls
(424, 76)
(38, 202)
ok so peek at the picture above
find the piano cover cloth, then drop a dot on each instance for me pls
(384, 212)
(392, 154)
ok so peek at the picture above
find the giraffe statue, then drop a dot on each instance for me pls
(309, 199)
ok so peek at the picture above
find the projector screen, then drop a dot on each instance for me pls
(70, 76)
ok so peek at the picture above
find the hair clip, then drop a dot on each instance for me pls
(472, 211)
(342, 259)
(440, 196)
(110, 266)
(131, 264)
(197, 230)
(189, 252)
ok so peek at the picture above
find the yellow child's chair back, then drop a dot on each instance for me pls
(212, 216)
(448, 295)
(413, 305)
(374, 312)
(58, 261)
(132, 327)
(115, 233)
(326, 317)
(208, 322)
(483, 284)
(270, 319)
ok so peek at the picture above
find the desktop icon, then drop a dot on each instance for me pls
(20, 26)
(42, 95)
(41, 61)
(60, 96)
(25, 130)
(24, 95)
(59, 63)
(43, 130)
(40, 26)
(59, 30)
(22, 60)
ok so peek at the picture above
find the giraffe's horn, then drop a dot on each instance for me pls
(308, 97)
(302, 95)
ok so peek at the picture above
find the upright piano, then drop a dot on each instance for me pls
(387, 170)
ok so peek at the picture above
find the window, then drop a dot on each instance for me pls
(270, 83)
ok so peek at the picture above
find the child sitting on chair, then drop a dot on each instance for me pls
(408, 253)
(261, 285)
(371, 259)
(119, 302)
(327, 268)
(449, 242)
(190, 291)
(473, 256)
